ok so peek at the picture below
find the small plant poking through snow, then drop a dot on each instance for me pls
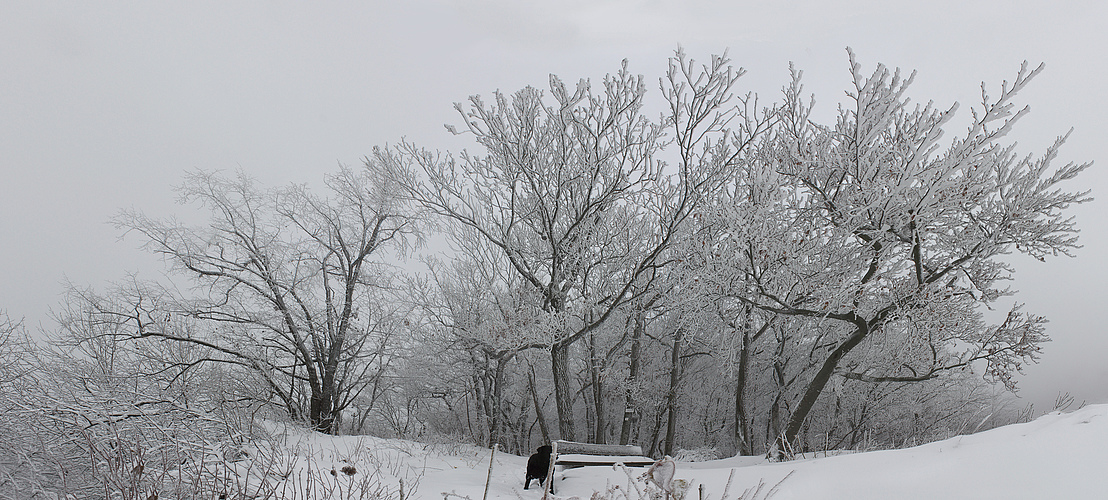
(297, 471)
(659, 483)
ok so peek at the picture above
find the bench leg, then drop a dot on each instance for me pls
(548, 485)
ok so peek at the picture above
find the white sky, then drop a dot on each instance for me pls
(103, 106)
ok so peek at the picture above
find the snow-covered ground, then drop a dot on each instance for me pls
(1056, 456)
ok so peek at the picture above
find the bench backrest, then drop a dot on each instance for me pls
(597, 449)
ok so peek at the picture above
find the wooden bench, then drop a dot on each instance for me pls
(572, 454)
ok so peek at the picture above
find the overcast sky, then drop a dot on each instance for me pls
(103, 106)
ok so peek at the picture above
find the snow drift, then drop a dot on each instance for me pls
(1059, 455)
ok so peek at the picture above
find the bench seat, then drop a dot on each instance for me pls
(571, 460)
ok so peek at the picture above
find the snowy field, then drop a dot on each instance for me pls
(1056, 456)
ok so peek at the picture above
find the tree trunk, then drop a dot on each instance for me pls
(481, 402)
(601, 424)
(773, 424)
(329, 412)
(496, 426)
(590, 420)
(657, 430)
(671, 400)
(632, 379)
(321, 410)
(744, 432)
(563, 395)
(787, 440)
(538, 408)
(742, 425)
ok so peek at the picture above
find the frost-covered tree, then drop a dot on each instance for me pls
(477, 321)
(572, 191)
(293, 280)
(887, 244)
(15, 364)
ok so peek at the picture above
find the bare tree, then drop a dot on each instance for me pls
(477, 315)
(15, 364)
(573, 192)
(885, 243)
(294, 280)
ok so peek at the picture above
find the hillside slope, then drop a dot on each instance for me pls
(1055, 456)
(1059, 455)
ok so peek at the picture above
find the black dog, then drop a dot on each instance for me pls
(538, 465)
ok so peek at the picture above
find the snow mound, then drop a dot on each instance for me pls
(1055, 456)
(1059, 455)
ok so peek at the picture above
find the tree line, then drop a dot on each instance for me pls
(729, 275)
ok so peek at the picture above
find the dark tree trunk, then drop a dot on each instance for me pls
(743, 432)
(657, 430)
(742, 425)
(601, 424)
(671, 400)
(481, 404)
(321, 411)
(563, 394)
(787, 440)
(496, 425)
(632, 379)
(538, 407)
(590, 419)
